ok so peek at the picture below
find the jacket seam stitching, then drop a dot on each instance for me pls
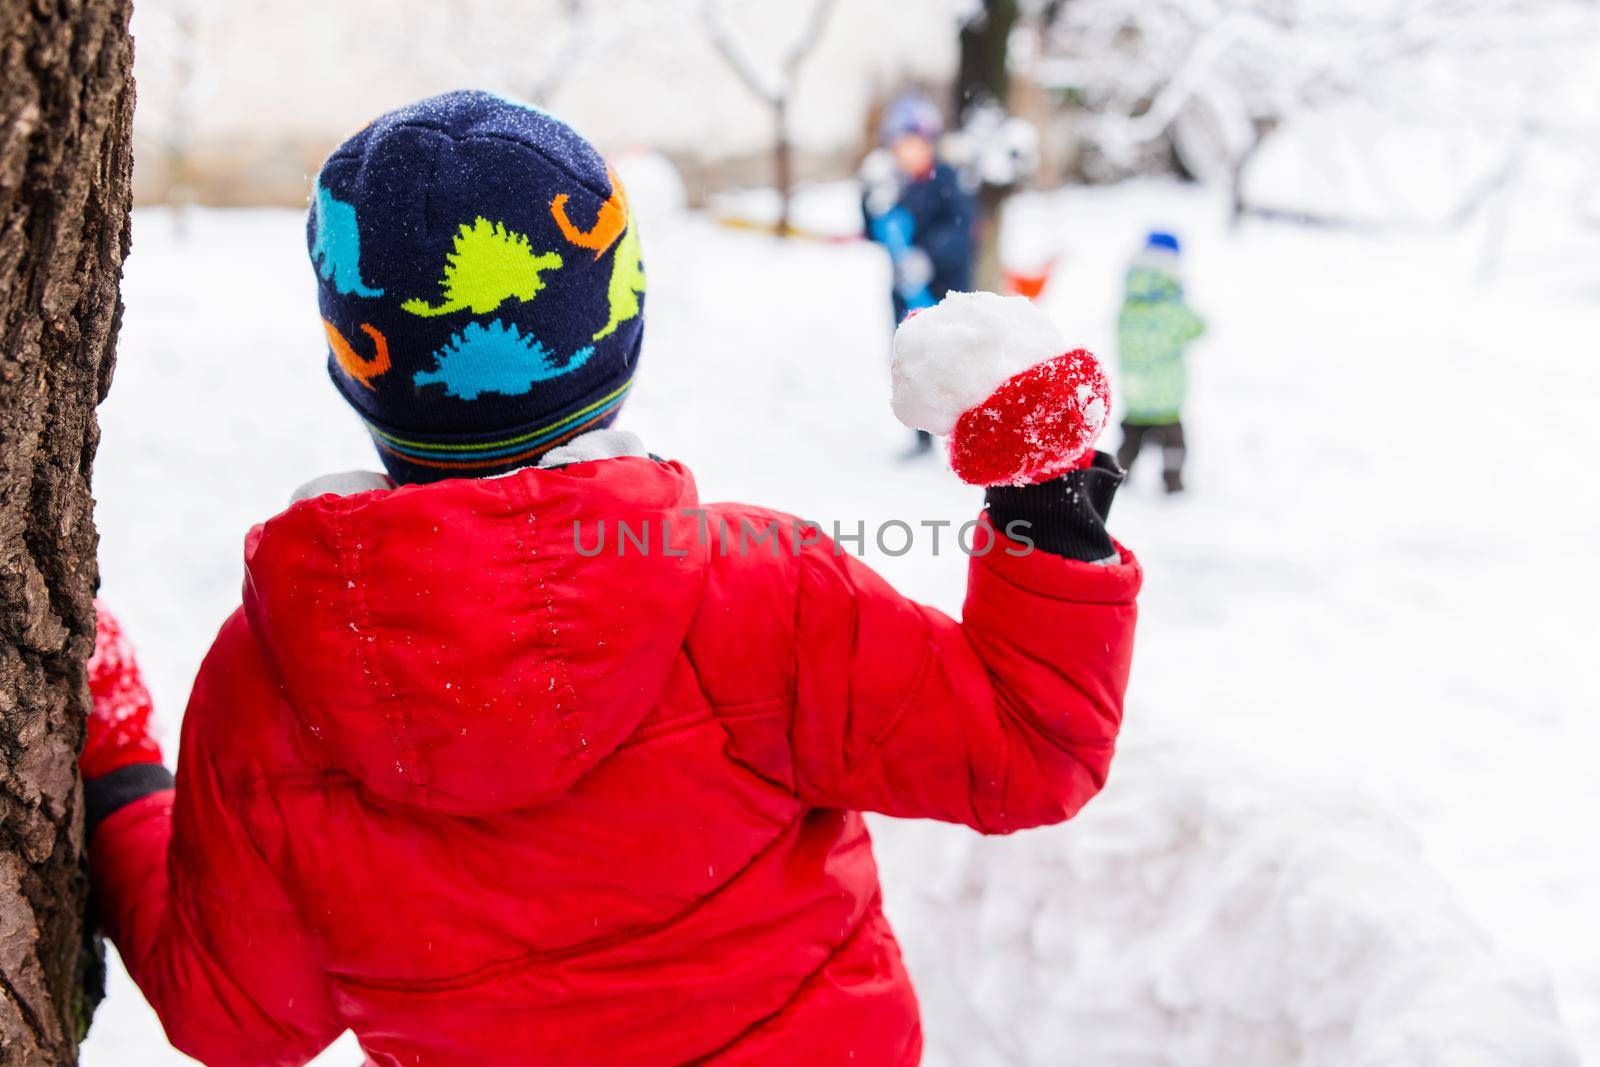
(873, 908)
(233, 1039)
(854, 770)
(196, 891)
(750, 709)
(913, 693)
(1093, 702)
(567, 702)
(1091, 601)
(535, 957)
(668, 728)
(394, 712)
(799, 780)
(263, 782)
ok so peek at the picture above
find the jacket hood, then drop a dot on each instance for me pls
(449, 644)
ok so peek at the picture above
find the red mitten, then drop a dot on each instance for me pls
(119, 724)
(993, 374)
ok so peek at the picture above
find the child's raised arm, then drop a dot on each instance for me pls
(1008, 718)
(194, 910)
(1004, 720)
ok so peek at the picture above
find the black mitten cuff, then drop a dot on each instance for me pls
(110, 793)
(1065, 516)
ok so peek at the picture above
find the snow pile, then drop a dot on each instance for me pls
(1199, 914)
(953, 357)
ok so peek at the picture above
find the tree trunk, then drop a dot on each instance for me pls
(783, 163)
(66, 103)
(988, 273)
(984, 74)
(984, 78)
(1240, 170)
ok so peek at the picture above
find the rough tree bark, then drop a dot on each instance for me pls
(66, 104)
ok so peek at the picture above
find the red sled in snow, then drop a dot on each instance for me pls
(1030, 284)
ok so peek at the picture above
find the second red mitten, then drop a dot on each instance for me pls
(119, 724)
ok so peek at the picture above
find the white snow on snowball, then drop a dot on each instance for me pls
(952, 357)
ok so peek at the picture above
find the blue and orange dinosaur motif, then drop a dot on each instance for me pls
(336, 251)
(613, 225)
(359, 368)
(496, 358)
(608, 225)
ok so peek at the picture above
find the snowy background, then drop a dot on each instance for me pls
(1353, 820)
(1352, 823)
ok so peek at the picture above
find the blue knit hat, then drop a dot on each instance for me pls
(1162, 240)
(911, 115)
(480, 282)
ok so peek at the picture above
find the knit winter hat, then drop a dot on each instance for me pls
(1156, 273)
(911, 115)
(1163, 241)
(480, 282)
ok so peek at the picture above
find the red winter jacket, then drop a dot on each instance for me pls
(483, 799)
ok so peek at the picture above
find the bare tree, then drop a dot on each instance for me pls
(66, 108)
(984, 74)
(774, 86)
(982, 92)
(169, 33)
(528, 49)
(552, 39)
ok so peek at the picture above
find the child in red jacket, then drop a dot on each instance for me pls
(460, 781)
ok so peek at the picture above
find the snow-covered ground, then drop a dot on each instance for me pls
(1353, 820)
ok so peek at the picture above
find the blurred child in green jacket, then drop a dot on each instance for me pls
(1153, 331)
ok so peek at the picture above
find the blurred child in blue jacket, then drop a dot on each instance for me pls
(914, 205)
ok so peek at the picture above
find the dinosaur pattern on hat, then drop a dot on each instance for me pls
(336, 252)
(492, 292)
(627, 283)
(608, 225)
(488, 266)
(360, 369)
(496, 358)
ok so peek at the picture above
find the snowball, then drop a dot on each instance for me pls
(953, 356)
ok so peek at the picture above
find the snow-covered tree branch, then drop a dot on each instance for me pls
(1209, 80)
(556, 39)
